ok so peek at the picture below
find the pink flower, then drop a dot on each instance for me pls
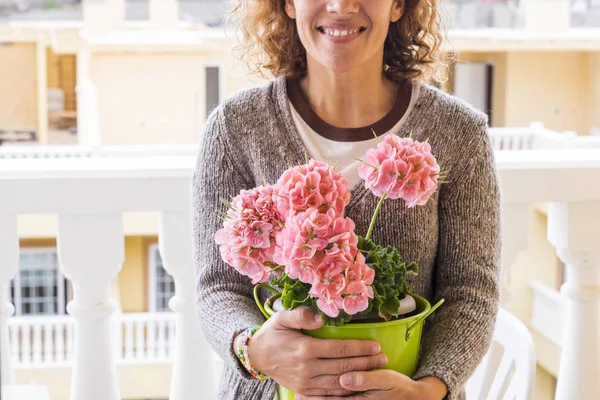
(247, 239)
(357, 296)
(313, 185)
(330, 306)
(313, 244)
(359, 271)
(401, 168)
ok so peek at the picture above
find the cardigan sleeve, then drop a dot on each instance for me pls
(224, 302)
(467, 268)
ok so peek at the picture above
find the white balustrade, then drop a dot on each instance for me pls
(147, 338)
(536, 137)
(89, 194)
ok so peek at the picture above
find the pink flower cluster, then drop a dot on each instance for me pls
(401, 168)
(321, 249)
(312, 185)
(318, 245)
(299, 223)
(247, 239)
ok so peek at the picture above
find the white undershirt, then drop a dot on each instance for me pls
(323, 149)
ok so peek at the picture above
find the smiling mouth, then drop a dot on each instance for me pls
(341, 32)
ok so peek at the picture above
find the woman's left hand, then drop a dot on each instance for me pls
(384, 384)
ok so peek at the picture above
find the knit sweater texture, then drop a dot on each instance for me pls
(455, 238)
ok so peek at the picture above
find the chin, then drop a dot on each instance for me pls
(340, 65)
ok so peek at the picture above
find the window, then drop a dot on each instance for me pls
(162, 285)
(213, 88)
(39, 287)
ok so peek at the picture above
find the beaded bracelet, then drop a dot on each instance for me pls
(242, 353)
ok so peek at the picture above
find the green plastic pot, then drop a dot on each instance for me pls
(400, 339)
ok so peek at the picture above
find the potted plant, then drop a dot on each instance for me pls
(293, 239)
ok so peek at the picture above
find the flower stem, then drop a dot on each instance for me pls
(375, 217)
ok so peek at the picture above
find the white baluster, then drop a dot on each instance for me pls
(171, 338)
(128, 340)
(14, 344)
(9, 265)
(151, 339)
(91, 252)
(48, 343)
(26, 344)
(118, 332)
(140, 353)
(59, 341)
(161, 342)
(574, 228)
(37, 343)
(193, 370)
(70, 341)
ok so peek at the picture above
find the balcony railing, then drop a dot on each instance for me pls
(48, 341)
(90, 194)
(537, 137)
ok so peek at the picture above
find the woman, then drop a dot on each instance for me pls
(343, 69)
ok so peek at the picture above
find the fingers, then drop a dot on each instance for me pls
(323, 393)
(331, 397)
(298, 319)
(344, 365)
(383, 379)
(328, 348)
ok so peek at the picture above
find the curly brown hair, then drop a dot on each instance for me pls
(270, 41)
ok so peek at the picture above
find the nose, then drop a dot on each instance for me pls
(343, 6)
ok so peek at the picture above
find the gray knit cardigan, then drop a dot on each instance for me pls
(455, 238)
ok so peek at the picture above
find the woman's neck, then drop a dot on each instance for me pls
(349, 100)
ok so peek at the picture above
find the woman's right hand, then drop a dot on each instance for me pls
(307, 365)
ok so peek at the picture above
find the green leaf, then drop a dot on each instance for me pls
(294, 294)
(389, 308)
(389, 285)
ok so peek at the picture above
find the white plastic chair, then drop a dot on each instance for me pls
(24, 392)
(508, 369)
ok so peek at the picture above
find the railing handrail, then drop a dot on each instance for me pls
(122, 317)
(85, 151)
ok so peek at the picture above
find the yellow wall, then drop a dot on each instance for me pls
(18, 90)
(135, 381)
(133, 278)
(158, 98)
(551, 87)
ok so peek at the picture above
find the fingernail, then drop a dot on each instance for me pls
(346, 380)
(383, 359)
(318, 318)
(376, 349)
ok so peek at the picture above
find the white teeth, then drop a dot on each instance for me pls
(338, 33)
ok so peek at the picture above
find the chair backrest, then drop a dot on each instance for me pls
(508, 369)
(24, 392)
